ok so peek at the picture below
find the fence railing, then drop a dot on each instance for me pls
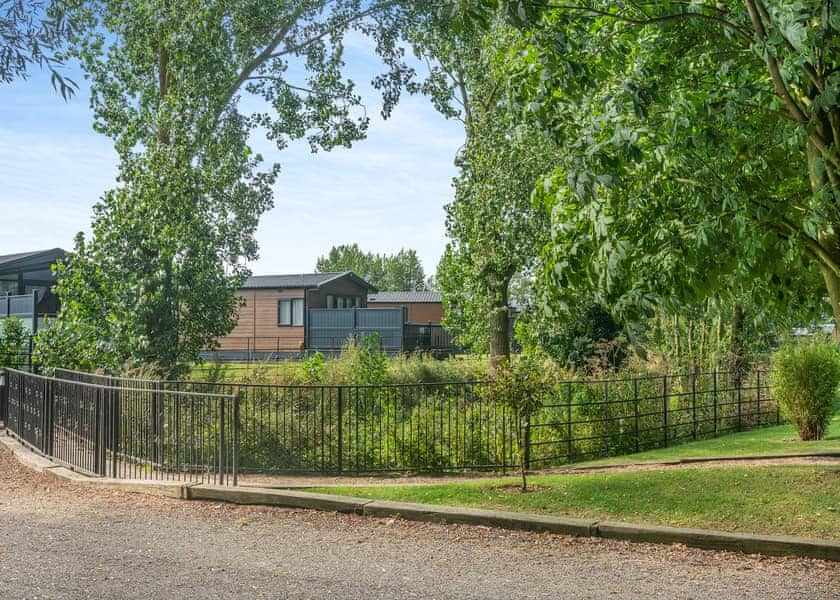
(124, 432)
(453, 426)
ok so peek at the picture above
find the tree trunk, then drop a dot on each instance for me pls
(736, 345)
(499, 322)
(820, 178)
(677, 341)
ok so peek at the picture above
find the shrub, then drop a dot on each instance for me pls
(12, 343)
(313, 368)
(804, 384)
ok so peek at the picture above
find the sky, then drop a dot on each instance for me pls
(386, 193)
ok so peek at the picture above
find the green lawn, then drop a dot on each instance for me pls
(770, 440)
(792, 500)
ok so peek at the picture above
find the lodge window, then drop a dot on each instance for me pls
(344, 301)
(290, 312)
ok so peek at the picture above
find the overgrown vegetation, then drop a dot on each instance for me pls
(355, 364)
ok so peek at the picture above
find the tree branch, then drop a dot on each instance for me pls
(743, 34)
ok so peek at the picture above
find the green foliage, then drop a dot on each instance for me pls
(32, 33)
(313, 368)
(157, 281)
(523, 387)
(495, 231)
(371, 362)
(397, 272)
(698, 155)
(340, 370)
(13, 343)
(573, 338)
(805, 380)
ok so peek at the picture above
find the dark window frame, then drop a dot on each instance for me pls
(291, 302)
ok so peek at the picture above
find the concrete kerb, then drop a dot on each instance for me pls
(699, 538)
(276, 497)
(489, 518)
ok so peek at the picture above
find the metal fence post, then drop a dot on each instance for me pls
(115, 432)
(607, 420)
(715, 401)
(694, 406)
(665, 409)
(758, 398)
(4, 397)
(636, 413)
(738, 392)
(236, 428)
(98, 452)
(156, 387)
(340, 428)
(569, 424)
(221, 441)
(49, 419)
(527, 443)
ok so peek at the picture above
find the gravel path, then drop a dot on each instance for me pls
(63, 541)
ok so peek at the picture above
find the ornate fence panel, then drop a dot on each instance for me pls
(137, 432)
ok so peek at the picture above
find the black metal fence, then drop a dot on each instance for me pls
(453, 426)
(124, 432)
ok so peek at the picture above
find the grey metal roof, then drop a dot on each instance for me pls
(302, 280)
(26, 261)
(405, 297)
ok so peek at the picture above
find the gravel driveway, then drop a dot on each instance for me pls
(62, 541)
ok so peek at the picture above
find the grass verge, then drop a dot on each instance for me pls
(783, 500)
(770, 440)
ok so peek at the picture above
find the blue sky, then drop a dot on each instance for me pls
(386, 193)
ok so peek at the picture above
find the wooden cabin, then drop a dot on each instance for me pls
(421, 307)
(275, 313)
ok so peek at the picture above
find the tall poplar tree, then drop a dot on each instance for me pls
(169, 84)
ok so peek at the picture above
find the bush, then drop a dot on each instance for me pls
(12, 343)
(804, 384)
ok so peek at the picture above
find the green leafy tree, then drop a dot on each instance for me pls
(402, 271)
(32, 34)
(495, 231)
(575, 336)
(523, 386)
(168, 84)
(700, 146)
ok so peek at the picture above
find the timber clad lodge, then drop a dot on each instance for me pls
(281, 315)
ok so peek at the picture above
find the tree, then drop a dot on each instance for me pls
(576, 337)
(397, 272)
(700, 146)
(494, 229)
(167, 80)
(32, 33)
(523, 387)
